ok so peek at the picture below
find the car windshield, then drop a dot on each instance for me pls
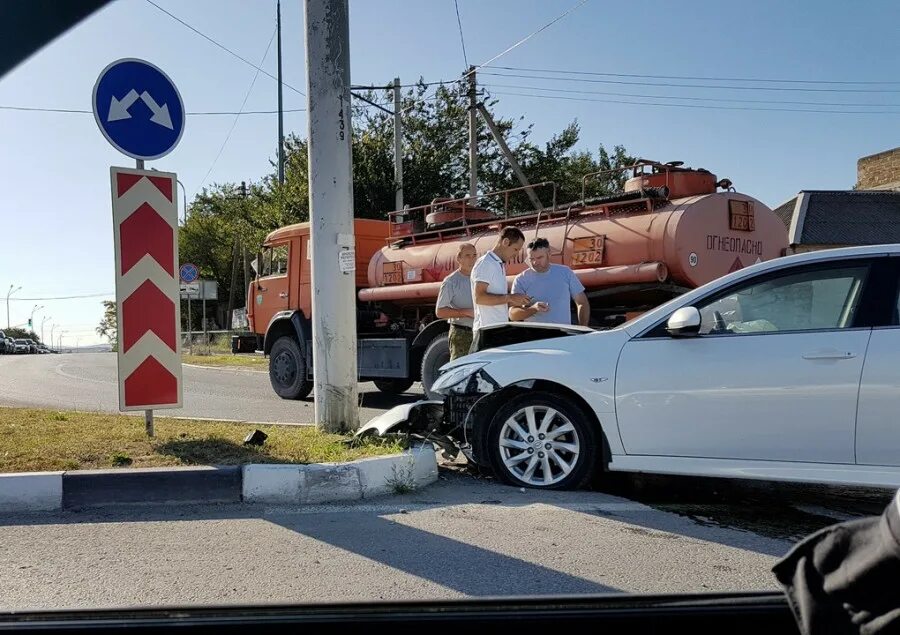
(293, 296)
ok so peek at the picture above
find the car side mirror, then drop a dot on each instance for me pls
(684, 322)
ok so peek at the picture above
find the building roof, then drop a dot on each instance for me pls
(842, 217)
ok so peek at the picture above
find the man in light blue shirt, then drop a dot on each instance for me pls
(552, 286)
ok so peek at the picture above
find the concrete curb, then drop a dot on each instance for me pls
(242, 369)
(330, 482)
(256, 483)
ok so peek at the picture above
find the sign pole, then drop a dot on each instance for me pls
(205, 333)
(148, 414)
(190, 334)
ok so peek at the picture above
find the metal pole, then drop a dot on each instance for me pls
(398, 147)
(52, 326)
(46, 317)
(280, 103)
(498, 137)
(331, 215)
(473, 134)
(205, 333)
(184, 200)
(190, 334)
(148, 414)
(9, 293)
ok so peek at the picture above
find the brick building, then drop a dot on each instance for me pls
(879, 171)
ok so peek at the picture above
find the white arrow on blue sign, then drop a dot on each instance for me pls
(138, 109)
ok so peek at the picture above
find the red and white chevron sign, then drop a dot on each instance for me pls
(145, 226)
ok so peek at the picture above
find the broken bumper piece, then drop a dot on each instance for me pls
(420, 417)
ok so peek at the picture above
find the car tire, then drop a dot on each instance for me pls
(393, 386)
(522, 460)
(287, 369)
(436, 355)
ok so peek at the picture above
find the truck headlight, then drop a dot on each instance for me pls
(468, 378)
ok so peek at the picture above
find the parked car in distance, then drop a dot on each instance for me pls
(6, 344)
(22, 346)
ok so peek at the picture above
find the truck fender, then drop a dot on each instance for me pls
(287, 323)
(431, 331)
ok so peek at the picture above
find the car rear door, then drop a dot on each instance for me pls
(878, 417)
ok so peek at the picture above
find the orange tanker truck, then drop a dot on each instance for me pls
(671, 229)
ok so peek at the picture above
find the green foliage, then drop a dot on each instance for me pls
(435, 164)
(107, 327)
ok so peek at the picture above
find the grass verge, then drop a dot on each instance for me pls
(233, 361)
(35, 440)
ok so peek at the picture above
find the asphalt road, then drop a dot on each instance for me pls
(88, 381)
(463, 536)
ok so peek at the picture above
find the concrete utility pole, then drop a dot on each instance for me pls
(398, 147)
(331, 215)
(498, 137)
(473, 134)
(47, 317)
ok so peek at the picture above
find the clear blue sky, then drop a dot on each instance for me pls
(56, 199)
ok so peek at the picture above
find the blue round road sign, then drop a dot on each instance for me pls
(188, 272)
(138, 109)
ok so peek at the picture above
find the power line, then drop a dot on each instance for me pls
(462, 40)
(531, 35)
(192, 114)
(65, 297)
(644, 103)
(688, 77)
(668, 85)
(238, 115)
(723, 99)
(225, 48)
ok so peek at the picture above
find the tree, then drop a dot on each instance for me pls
(20, 333)
(435, 164)
(107, 327)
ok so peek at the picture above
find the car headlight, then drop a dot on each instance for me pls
(465, 378)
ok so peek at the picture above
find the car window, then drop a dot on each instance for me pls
(802, 301)
(275, 261)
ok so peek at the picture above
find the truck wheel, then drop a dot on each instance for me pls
(287, 369)
(436, 355)
(393, 386)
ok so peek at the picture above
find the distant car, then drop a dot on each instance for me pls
(22, 346)
(5, 344)
(32, 346)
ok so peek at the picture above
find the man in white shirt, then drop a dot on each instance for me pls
(489, 288)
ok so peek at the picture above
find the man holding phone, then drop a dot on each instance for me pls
(552, 286)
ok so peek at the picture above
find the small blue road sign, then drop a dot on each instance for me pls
(188, 272)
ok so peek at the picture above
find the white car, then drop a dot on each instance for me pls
(786, 370)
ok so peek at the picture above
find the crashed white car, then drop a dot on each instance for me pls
(786, 370)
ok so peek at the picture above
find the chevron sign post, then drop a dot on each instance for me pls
(145, 225)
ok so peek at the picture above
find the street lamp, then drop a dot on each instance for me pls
(9, 293)
(61, 333)
(52, 326)
(31, 319)
(46, 317)
(183, 196)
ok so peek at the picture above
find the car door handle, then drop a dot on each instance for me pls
(829, 355)
(283, 294)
